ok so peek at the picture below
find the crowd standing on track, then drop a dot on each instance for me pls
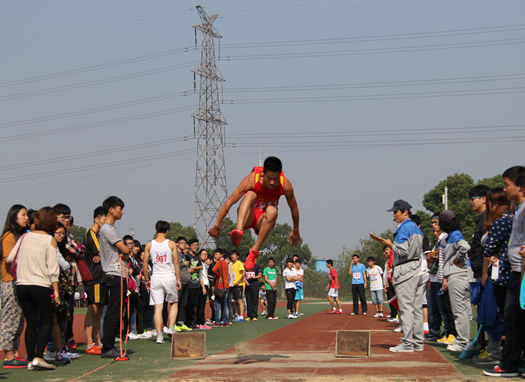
(134, 291)
(432, 291)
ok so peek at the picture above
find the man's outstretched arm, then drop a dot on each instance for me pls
(245, 185)
(294, 237)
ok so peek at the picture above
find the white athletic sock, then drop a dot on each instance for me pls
(425, 326)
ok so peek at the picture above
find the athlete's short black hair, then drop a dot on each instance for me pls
(126, 238)
(514, 173)
(520, 182)
(479, 190)
(62, 209)
(289, 260)
(113, 202)
(162, 226)
(271, 258)
(273, 164)
(193, 241)
(181, 238)
(99, 211)
(331, 262)
(371, 258)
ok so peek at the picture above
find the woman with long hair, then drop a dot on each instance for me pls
(37, 283)
(496, 266)
(16, 224)
(499, 226)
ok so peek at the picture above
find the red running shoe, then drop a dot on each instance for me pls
(332, 311)
(250, 261)
(93, 350)
(236, 236)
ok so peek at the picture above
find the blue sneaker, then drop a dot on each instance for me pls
(239, 319)
(62, 358)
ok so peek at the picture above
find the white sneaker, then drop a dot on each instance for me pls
(455, 348)
(364, 314)
(144, 336)
(401, 348)
(49, 356)
(160, 338)
(291, 316)
(165, 330)
(133, 336)
(376, 315)
(398, 329)
(380, 314)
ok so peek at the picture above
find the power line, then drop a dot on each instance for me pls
(380, 37)
(92, 68)
(100, 81)
(365, 51)
(97, 153)
(91, 125)
(359, 85)
(376, 97)
(146, 158)
(98, 109)
(473, 129)
(93, 28)
(298, 11)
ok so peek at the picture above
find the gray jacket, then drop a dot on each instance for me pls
(456, 250)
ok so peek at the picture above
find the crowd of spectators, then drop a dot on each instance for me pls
(132, 291)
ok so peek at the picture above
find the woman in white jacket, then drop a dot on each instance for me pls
(37, 283)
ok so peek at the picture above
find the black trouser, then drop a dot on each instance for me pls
(358, 293)
(271, 297)
(71, 309)
(210, 293)
(135, 305)
(500, 293)
(149, 310)
(193, 303)
(390, 292)
(201, 307)
(514, 322)
(290, 298)
(252, 300)
(229, 301)
(112, 320)
(38, 309)
(183, 302)
(139, 316)
(450, 325)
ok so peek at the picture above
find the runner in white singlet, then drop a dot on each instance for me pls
(165, 278)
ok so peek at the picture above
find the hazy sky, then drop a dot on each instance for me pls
(365, 101)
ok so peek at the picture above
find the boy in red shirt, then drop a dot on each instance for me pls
(333, 289)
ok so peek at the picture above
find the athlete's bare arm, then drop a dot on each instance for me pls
(173, 246)
(294, 237)
(145, 272)
(245, 186)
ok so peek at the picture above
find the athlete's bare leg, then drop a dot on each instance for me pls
(157, 317)
(173, 309)
(265, 225)
(245, 211)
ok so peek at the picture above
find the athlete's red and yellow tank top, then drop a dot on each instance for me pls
(266, 197)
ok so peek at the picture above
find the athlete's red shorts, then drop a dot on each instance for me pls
(257, 214)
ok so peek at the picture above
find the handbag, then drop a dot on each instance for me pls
(220, 293)
(12, 269)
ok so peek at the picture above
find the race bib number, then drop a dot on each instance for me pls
(357, 276)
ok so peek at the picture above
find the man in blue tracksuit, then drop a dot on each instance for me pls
(407, 278)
